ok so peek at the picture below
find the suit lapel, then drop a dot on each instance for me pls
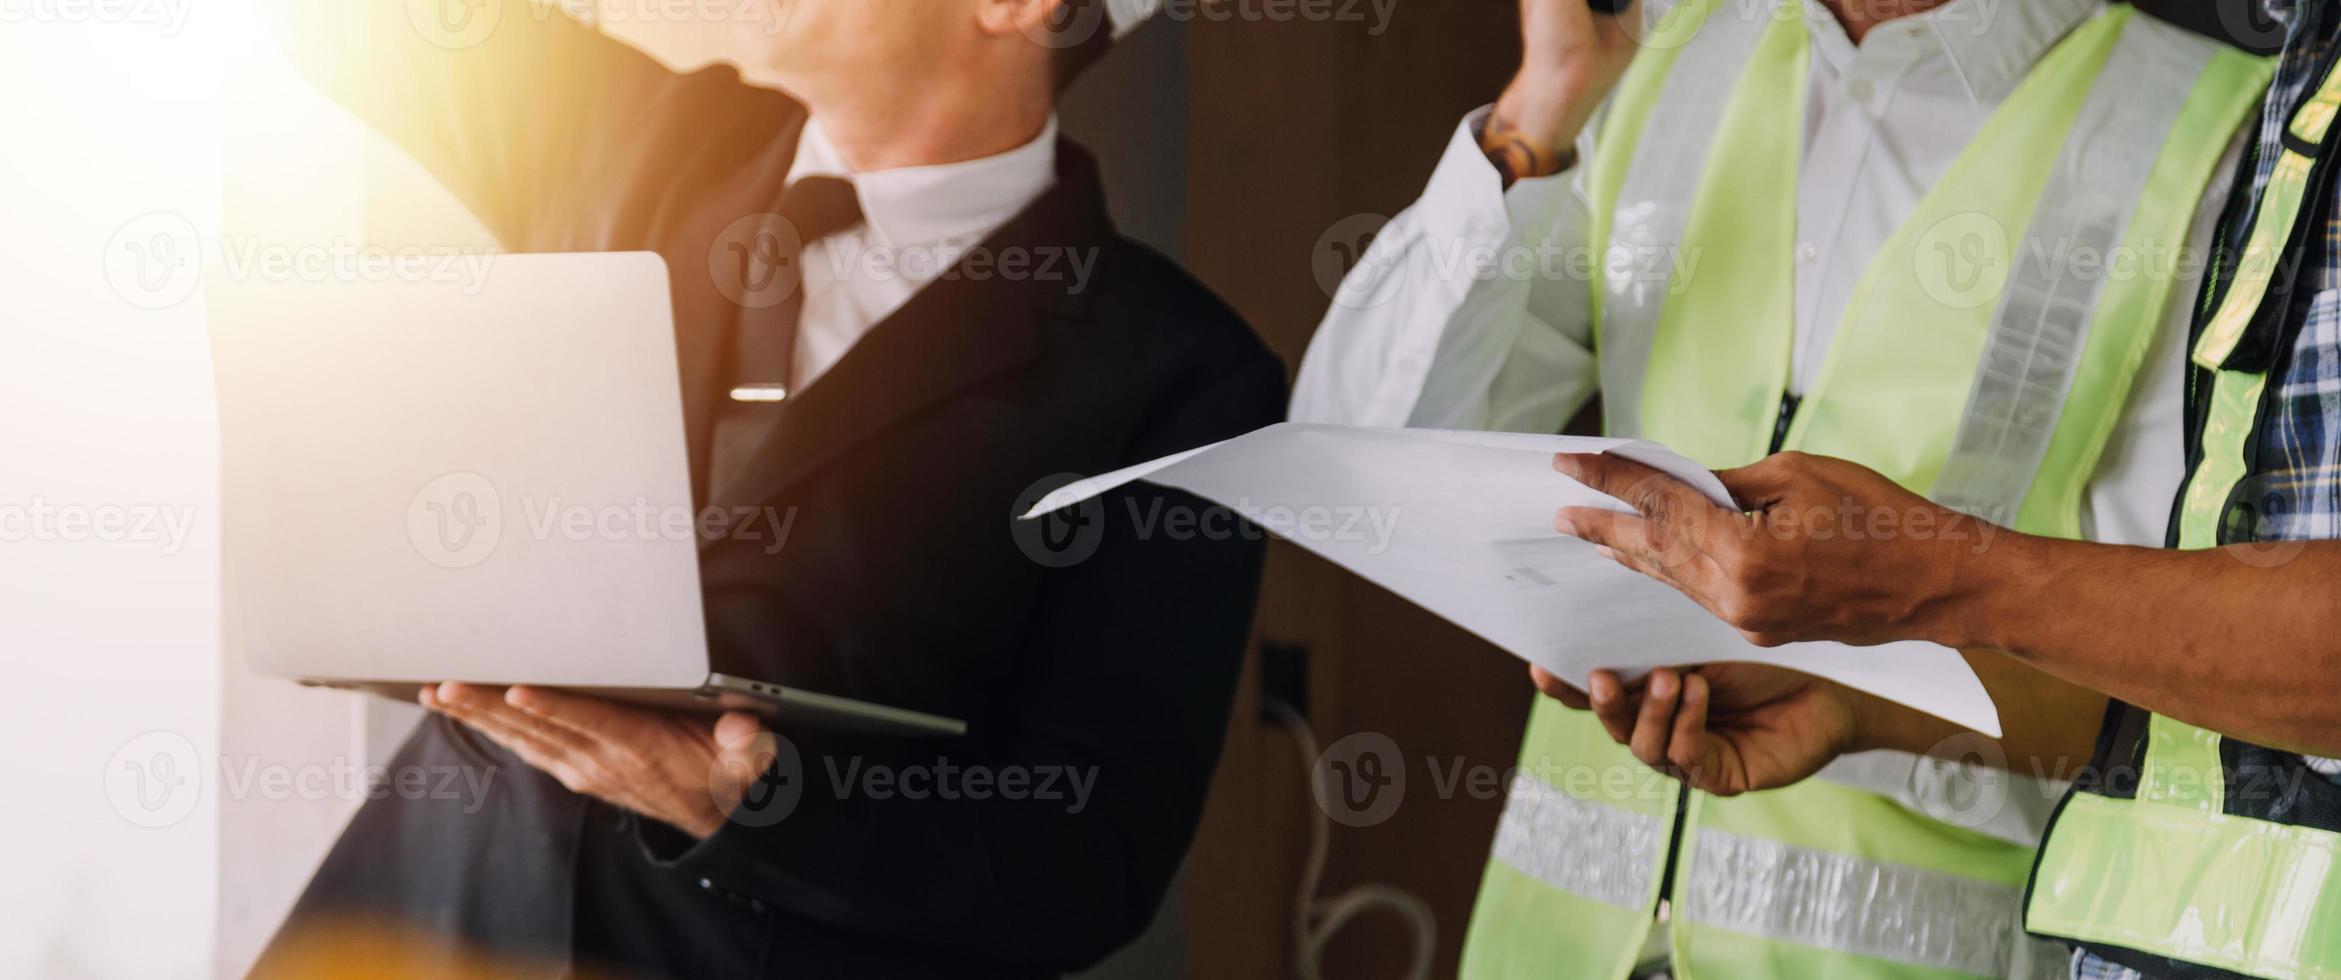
(959, 330)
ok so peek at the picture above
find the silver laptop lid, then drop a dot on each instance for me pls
(477, 476)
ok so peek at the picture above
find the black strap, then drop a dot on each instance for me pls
(2267, 336)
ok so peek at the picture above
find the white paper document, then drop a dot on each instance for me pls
(1460, 523)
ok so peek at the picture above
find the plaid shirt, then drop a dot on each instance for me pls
(2295, 482)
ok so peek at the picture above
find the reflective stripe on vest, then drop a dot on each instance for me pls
(2278, 214)
(1830, 900)
(2043, 319)
(1762, 887)
(2010, 382)
(1605, 853)
(2178, 872)
(1654, 205)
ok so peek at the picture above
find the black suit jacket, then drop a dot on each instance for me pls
(902, 578)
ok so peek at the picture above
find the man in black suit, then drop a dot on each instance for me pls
(902, 408)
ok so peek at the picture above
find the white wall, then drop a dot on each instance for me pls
(111, 708)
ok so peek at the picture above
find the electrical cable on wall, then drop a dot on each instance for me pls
(1316, 920)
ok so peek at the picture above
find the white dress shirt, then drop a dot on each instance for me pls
(917, 222)
(1491, 348)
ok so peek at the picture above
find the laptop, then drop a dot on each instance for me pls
(473, 471)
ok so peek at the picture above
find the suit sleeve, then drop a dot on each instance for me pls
(1125, 697)
(1470, 310)
(509, 103)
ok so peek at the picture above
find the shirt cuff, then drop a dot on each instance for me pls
(1467, 198)
(726, 863)
(786, 823)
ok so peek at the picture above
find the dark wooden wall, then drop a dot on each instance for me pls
(1293, 127)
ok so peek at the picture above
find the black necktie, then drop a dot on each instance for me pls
(764, 342)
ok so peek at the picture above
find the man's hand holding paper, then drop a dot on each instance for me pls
(1810, 548)
(1468, 534)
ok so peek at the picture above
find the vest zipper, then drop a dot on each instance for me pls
(1788, 406)
(1674, 851)
(1682, 799)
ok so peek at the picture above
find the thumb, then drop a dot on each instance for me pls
(1558, 689)
(742, 742)
(1759, 484)
(1694, 752)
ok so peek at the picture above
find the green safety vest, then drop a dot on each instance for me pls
(2182, 852)
(1975, 362)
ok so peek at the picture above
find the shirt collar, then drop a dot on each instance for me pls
(940, 203)
(1991, 45)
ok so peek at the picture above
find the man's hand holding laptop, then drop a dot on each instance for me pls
(686, 770)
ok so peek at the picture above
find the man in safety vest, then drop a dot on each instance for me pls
(1944, 240)
(2203, 837)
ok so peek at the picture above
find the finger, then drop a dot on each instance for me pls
(1606, 528)
(744, 738)
(1557, 689)
(485, 708)
(1778, 520)
(1689, 749)
(745, 750)
(1762, 483)
(1690, 573)
(738, 727)
(589, 717)
(1633, 484)
(1677, 572)
(1667, 529)
(1608, 697)
(1655, 723)
(544, 755)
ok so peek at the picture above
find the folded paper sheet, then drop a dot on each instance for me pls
(1460, 523)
